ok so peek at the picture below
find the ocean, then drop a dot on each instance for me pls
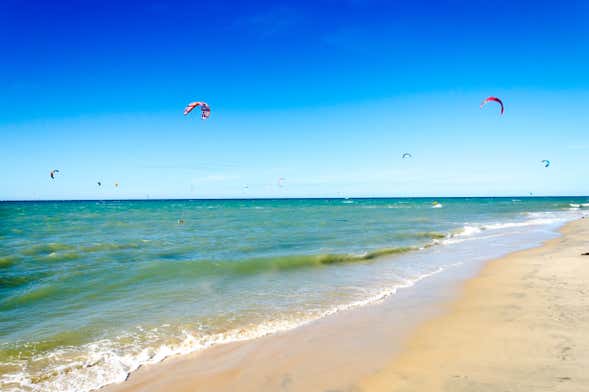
(91, 290)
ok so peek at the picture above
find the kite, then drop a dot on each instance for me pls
(494, 99)
(205, 110)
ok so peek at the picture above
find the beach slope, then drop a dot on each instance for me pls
(521, 325)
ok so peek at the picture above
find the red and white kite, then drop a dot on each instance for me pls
(205, 110)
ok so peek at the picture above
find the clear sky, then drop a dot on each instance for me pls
(326, 94)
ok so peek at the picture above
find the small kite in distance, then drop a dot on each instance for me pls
(205, 110)
(52, 173)
(406, 155)
(494, 99)
(546, 162)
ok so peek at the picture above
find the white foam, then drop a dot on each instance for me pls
(481, 231)
(470, 230)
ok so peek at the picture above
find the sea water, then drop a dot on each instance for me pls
(91, 290)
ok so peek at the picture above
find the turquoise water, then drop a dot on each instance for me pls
(90, 290)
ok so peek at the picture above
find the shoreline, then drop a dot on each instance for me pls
(517, 326)
(291, 360)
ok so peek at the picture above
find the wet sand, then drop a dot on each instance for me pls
(519, 325)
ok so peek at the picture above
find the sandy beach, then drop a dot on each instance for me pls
(519, 325)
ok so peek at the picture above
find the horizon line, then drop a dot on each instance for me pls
(291, 198)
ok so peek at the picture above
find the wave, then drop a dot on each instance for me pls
(35, 294)
(15, 281)
(101, 247)
(55, 256)
(432, 235)
(45, 249)
(199, 268)
(471, 231)
(94, 365)
(7, 261)
(65, 252)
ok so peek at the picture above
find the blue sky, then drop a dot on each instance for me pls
(326, 94)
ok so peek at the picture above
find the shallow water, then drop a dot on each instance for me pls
(91, 290)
